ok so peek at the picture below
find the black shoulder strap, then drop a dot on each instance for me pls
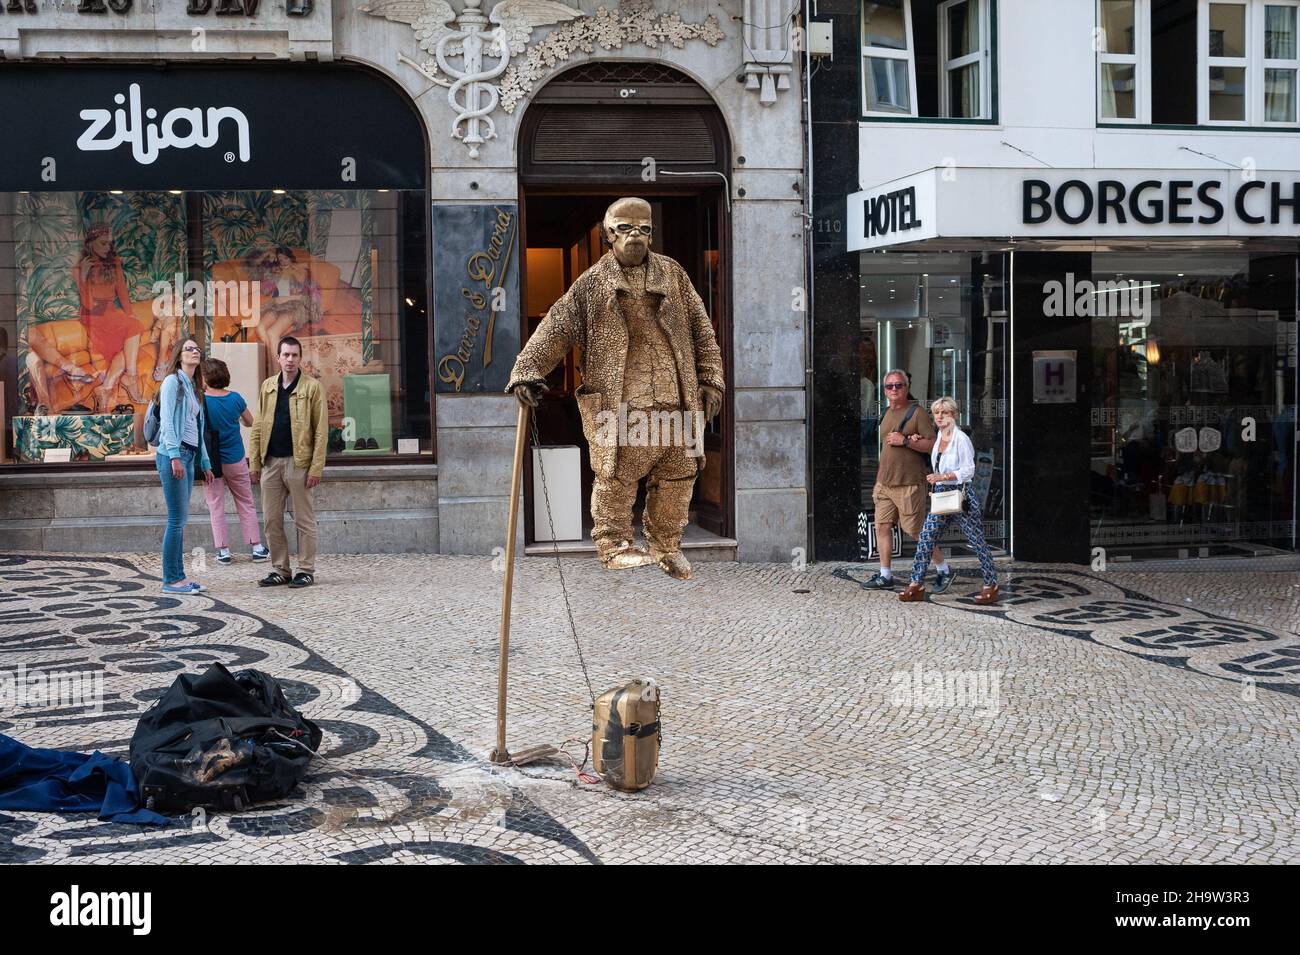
(908, 417)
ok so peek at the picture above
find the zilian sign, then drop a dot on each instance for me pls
(104, 128)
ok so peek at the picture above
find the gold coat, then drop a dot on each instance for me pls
(588, 317)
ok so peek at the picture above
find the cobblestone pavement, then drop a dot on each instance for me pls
(1093, 717)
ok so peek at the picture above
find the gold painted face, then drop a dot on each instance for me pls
(629, 236)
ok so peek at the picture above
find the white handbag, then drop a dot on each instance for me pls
(947, 502)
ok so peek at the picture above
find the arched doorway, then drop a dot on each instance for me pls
(594, 133)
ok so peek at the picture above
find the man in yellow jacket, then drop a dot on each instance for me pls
(290, 431)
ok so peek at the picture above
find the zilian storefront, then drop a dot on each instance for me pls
(142, 206)
(1122, 343)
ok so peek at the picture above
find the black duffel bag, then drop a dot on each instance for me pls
(222, 741)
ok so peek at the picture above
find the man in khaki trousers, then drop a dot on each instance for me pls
(290, 431)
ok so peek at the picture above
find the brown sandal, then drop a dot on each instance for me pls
(987, 596)
(913, 593)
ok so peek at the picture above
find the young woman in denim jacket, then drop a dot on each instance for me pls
(180, 445)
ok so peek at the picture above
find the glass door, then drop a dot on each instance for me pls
(942, 318)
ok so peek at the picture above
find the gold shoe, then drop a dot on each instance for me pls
(625, 556)
(675, 565)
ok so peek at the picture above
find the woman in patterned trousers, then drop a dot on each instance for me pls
(952, 460)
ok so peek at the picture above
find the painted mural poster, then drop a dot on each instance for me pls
(91, 349)
(309, 257)
(476, 296)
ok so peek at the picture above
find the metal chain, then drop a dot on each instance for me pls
(559, 564)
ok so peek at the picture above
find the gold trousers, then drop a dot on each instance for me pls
(670, 479)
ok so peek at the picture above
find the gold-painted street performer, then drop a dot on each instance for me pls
(648, 353)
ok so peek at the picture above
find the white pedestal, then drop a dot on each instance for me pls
(244, 359)
(563, 489)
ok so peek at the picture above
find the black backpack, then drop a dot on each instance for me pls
(222, 741)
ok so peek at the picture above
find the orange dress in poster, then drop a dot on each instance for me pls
(104, 300)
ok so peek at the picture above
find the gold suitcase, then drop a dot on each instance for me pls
(625, 735)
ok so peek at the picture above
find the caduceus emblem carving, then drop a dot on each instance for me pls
(484, 45)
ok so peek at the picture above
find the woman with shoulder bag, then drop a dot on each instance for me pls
(953, 461)
(181, 444)
(226, 409)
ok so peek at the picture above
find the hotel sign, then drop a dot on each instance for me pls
(972, 203)
(899, 211)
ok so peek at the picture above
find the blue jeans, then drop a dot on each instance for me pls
(176, 492)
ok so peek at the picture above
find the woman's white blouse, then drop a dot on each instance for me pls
(958, 457)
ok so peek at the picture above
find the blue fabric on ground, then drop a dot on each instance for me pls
(50, 780)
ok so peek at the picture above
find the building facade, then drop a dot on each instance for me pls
(1080, 219)
(406, 188)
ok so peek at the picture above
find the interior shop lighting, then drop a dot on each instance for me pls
(115, 192)
(278, 192)
(1153, 352)
(1134, 288)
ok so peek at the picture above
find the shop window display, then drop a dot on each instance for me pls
(941, 317)
(89, 346)
(1193, 420)
(96, 288)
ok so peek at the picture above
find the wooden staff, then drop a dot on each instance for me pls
(501, 754)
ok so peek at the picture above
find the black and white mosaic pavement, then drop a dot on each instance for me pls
(389, 787)
(1086, 606)
(1131, 716)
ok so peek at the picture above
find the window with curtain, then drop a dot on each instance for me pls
(1280, 63)
(1121, 54)
(927, 59)
(888, 58)
(962, 46)
(1218, 62)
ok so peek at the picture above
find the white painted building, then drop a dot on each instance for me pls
(1011, 150)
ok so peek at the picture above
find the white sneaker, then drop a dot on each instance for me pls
(223, 555)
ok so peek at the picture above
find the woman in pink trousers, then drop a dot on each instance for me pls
(226, 409)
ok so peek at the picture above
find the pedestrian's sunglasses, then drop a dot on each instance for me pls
(894, 385)
(626, 228)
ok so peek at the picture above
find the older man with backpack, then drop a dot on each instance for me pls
(899, 494)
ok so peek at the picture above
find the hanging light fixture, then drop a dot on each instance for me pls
(1153, 352)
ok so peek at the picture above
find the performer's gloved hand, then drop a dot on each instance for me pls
(712, 398)
(530, 392)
